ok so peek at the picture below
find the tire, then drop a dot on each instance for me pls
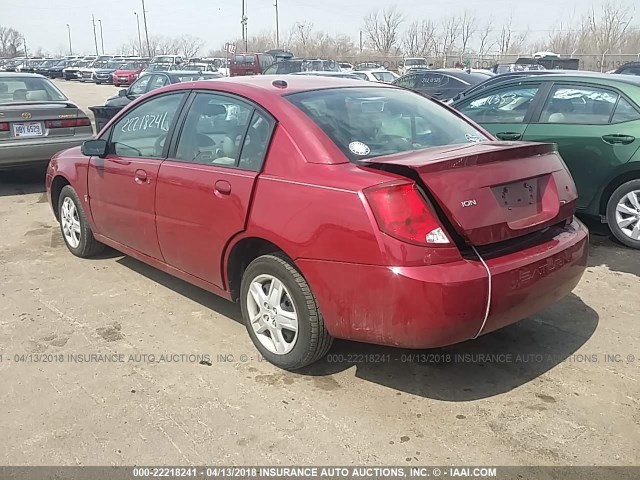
(312, 340)
(86, 245)
(98, 83)
(625, 224)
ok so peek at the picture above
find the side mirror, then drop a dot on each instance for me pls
(94, 148)
(123, 92)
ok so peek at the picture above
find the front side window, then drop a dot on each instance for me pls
(374, 121)
(158, 81)
(139, 86)
(506, 105)
(142, 131)
(214, 130)
(579, 105)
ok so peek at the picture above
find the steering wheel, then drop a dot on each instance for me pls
(158, 146)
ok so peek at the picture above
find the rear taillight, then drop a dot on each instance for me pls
(4, 127)
(401, 212)
(70, 123)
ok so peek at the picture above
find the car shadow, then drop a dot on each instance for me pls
(495, 363)
(22, 181)
(197, 294)
(607, 251)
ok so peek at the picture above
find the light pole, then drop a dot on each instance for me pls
(139, 36)
(243, 22)
(277, 25)
(101, 36)
(146, 31)
(95, 38)
(70, 48)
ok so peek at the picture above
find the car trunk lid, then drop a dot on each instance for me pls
(491, 191)
(30, 120)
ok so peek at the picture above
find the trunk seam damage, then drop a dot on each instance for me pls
(486, 313)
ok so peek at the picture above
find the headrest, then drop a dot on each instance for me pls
(210, 109)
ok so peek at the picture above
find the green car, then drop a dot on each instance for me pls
(594, 119)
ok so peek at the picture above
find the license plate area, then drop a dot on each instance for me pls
(27, 129)
(521, 198)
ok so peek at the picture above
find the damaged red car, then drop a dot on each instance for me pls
(329, 208)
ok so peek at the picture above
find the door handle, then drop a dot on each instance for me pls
(617, 139)
(223, 187)
(140, 177)
(509, 136)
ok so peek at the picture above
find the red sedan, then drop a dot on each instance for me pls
(330, 208)
(127, 73)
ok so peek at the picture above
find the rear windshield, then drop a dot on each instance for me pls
(373, 121)
(20, 90)
(384, 76)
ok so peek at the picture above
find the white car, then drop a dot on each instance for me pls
(88, 73)
(412, 63)
(380, 75)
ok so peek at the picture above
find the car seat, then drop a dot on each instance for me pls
(20, 95)
(193, 143)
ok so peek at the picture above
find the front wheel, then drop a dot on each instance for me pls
(75, 228)
(623, 213)
(281, 314)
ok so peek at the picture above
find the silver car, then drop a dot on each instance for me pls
(36, 120)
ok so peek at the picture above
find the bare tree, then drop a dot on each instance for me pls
(610, 25)
(450, 34)
(504, 40)
(189, 46)
(10, 42)
(486, 40)
(301, 34)
(382, 29)
(468, 28)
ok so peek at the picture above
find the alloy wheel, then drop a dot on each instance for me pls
(628, 214)
(272, 314)
(70, 222)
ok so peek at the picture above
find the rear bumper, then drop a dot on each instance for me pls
(32, 152)
(434, 306)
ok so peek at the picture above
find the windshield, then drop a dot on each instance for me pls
(130, 66)
(28, 89)
(154, 67)
(415, 61)
(370, 122)
(114, 64)
(163, 60)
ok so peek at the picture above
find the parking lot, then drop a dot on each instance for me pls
(111, 362)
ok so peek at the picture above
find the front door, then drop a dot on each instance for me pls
(595, 132)
(204, 190)
(122, 185)
(503, 111)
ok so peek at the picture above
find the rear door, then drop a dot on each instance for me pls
(204, 189)
(504, 111)
(594, 128)
(122, 186)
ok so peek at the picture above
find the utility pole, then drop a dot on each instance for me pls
(146, 30)
(139, 36)
(95, 38)
(26, 53)
(101, 36)
(243, 22)
(70, 48)
(277, 25)
(361, 42)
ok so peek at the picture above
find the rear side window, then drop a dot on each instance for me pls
(579, 105)
(408, 81)
(375, 121)
(625, 112)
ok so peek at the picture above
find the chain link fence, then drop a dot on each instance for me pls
(587, 61)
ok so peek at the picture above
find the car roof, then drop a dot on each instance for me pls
(294, 83)
(19, 75)
(592, 77)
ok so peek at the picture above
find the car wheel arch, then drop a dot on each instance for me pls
(240, 254)
(57, 184)
(613, 185)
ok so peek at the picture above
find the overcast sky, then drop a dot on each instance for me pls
(216, 21)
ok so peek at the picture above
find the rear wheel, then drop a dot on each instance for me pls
(281, 314)
(75, 228)
(623, 213)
